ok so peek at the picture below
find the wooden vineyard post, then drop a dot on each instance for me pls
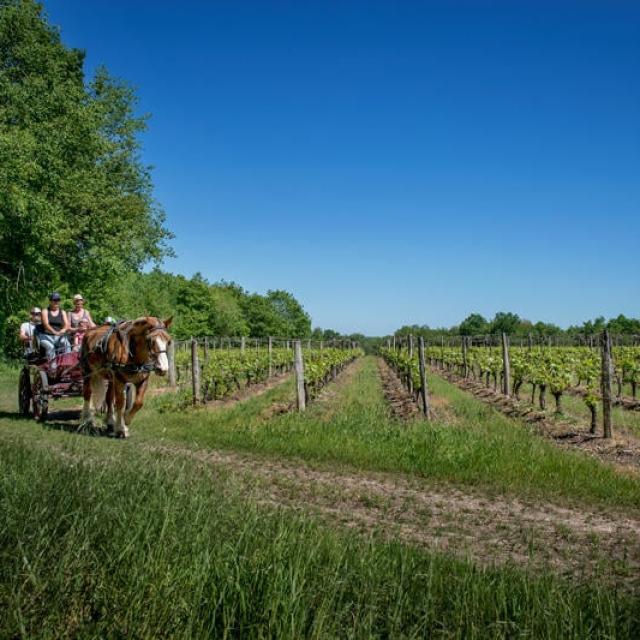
(270, 347)
(465, 364)
(607, 391)
(206, 351)
(171, 356)
(195, 372)
(299, 368)
(506, 365)
(424, 390)
(410, 345)
(242, 343)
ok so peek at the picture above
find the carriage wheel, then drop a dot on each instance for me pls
(40, 396)
(129, 396)
(24, 392)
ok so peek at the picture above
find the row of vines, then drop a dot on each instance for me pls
(543, 369)
(223, 372)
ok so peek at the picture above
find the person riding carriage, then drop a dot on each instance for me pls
(55, 326)
(29, 329)
(80, 321)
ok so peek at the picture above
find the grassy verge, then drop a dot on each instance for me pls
(352, 429)
(129, 546)
(481, 448)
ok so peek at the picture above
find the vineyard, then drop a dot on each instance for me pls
(259, 493)
(585, 371)
(223, 371)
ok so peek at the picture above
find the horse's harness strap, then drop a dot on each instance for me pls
(123, 330)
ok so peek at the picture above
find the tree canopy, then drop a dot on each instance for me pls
(76, 205)
(77, 212)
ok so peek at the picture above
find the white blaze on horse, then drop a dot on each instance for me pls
(114, 355)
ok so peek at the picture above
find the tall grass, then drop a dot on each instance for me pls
(481, 447)
(134, 547)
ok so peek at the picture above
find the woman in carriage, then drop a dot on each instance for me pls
(79, 320)
(55, 327)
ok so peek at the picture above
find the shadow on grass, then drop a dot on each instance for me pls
(69, 421)
(14, 415)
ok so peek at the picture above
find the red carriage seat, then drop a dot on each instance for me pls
(68, 360)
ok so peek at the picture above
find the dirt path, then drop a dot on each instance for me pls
(402, 404)
(579, 543)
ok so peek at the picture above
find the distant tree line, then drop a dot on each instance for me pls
(511, 323)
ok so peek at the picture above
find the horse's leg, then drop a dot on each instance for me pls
(93, 392)
(141, 388)
(98, 393)
(87, 416)
(109, 399)
(121, 430)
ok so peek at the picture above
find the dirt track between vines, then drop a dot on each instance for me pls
(400, 401)
(488, 529)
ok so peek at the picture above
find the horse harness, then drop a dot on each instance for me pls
(130, 368)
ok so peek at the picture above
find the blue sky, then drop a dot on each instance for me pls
(391, 163)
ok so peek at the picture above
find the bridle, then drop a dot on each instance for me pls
(150, 363)
(151, 335)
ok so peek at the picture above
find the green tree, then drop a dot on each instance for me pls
(473, 325)
(76, 205)
(296, 320)
(263, 318)
(505, 322)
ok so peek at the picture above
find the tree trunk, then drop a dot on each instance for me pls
(516, 389)
(543, 397)
(594, 418)
(558, 397)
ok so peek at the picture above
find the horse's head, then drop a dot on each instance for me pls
(154, 338)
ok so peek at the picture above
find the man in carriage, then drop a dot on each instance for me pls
(29, 329)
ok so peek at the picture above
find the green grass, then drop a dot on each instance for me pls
(482, 448)
(114, 543)
(103, 539)
(353, 429)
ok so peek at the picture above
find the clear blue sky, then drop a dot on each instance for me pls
(391, 163)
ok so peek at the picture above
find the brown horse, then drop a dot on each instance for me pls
(114, 355)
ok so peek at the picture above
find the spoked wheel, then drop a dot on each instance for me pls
(129, 396)
(24, 392)
(40, 396)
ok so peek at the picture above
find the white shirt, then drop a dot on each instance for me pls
(28, 329)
